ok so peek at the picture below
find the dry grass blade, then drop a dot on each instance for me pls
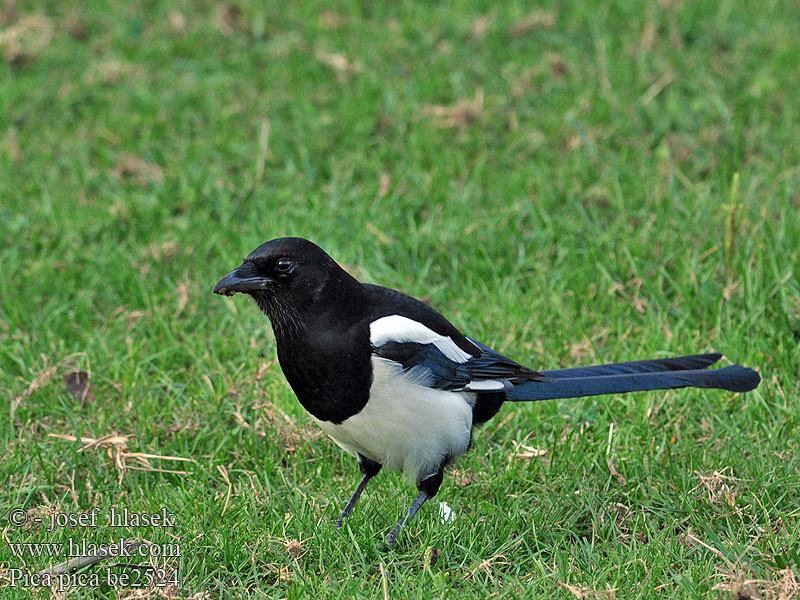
(228, 19)
(719, 485)
(137, 170)
(385, 581)
(610, 457)
(116, 447)
(783, 586)
(525, 452)
(498, 559)
(24, 40)
(656, 88)
(584, 591)
(480, 25)
(182, 289)
(459, 115)
(224, 472)
(337, 61)
(384, 185)
(332, 20)
(613, 469)
(537, 19)
(695, 540)
(487, 564)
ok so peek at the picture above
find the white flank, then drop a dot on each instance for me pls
(406, 426)
(402, 329)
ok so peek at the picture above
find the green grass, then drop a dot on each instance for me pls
(594, 182)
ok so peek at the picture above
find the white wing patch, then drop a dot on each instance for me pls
(487, 385)
(396, 328)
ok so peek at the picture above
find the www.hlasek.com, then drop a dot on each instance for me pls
(84, 549)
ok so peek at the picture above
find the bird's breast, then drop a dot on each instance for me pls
(330, 376)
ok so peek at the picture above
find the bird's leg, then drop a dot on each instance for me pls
(369, 468)
(348, 508)
(427, 489)
(391, 537)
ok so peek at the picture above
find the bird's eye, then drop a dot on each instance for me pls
(283, 265)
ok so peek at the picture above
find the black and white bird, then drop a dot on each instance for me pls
(395, 384)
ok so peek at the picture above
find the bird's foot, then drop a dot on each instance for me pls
(389, 542)
(391, 539)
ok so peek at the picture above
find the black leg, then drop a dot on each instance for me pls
(427, 489)
(348, 508)
(369, 468)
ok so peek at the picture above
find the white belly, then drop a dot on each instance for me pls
(406, 426)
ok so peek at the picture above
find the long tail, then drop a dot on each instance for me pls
(638, 376)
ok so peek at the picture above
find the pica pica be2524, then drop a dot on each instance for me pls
(395, 384)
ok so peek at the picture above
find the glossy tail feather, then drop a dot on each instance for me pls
(678, 363)
(638, 376)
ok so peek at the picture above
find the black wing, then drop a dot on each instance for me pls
(453, 362)
(489, 372)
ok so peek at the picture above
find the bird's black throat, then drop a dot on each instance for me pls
(287, 319)
(324, 350)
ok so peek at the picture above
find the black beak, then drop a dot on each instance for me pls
(234, 282)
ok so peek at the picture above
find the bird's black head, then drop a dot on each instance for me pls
(289, 278)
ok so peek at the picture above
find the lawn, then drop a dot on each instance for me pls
(570, 183)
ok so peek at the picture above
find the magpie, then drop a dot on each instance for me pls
(396, 385)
